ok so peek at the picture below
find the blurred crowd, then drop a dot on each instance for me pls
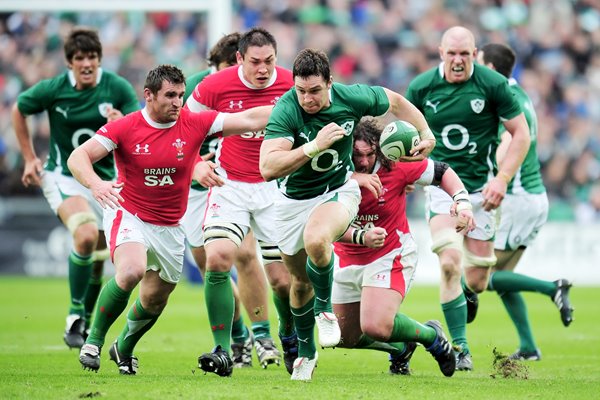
(383, 42)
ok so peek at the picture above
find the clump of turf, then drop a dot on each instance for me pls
(504, 367)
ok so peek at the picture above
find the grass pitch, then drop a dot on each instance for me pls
(35, 363)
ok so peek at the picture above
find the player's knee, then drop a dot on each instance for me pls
(377, 329)
(280, 287)
(129, 273)
(218, 261)
(318, 249)
(301, 289)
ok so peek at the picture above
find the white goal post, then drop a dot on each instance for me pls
(219, 11)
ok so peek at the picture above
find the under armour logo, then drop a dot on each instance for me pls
(432, 105)
(236, 104)
(62, 111)
(139, 148)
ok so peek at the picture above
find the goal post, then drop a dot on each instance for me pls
(219, 12)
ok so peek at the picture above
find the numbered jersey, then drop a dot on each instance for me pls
(228, 91)
(388, 211)
(211, 143)
(464, 118)
(156, 161)
(528, 178)
(332, 167)
(75, 115)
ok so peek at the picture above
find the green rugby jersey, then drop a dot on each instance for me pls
(528, 178)
(464, 118)
(332, 167)
(76, 115)
(210, 143)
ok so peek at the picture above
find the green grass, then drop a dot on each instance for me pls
(34, 362)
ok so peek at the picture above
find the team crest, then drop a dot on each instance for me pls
(477, 105)
(178, 144)
(104, 108)
(348, 126)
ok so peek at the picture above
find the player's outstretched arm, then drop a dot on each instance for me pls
(80, 164)
(251, 120)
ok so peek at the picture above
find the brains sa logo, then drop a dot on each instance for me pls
(348, 126)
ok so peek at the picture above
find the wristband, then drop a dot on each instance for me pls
(461, 195)
(462, 200)
(311, 149)
(358, 236)
(504, 176)
(426, 134)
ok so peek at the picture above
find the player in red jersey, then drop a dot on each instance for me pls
(155, 151)
(371, 283)
(244, 202)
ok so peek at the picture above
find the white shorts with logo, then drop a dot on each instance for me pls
(521, 218)
(193, 219)
(58, 187)
(249, 205)
(394, 270)
(439, 202)
(291, 214)
(164, 245)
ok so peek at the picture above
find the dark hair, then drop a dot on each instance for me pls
(82, 39)
(165, 72)
(258, 37)
(311, 62)
(501, 56)
(369, 131)
(225, 50)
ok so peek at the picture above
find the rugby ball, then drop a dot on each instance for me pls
(397, 139)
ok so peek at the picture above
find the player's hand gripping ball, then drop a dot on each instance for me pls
(397, 139)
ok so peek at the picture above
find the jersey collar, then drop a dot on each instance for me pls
(251, 86)
(73, 82)
(155, 124)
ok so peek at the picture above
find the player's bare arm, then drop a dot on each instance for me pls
(251, 120)
(277, 159)
(80, 164)
(371, 182)
(33, 165)
(495, 190)
(405, 110)
(372, 238)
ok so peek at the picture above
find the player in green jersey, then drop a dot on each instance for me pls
(464, 103)
(308, 149)
(78, 103)
(523, 212)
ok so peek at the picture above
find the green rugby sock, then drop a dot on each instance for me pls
(91, 296)
(407, 329)
(218, 295)
(455, 312)
(508, 281)
(111, 303)
(139, 321)
(322, 280)
(80, 270)
(304, 319)
(284, 315)
(261, 329)
(393, 348)
(517, 310)
(239, 332)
